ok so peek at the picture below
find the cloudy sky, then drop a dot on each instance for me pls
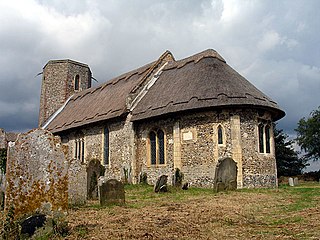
(274, 44)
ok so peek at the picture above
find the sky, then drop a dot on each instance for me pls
(272, 43)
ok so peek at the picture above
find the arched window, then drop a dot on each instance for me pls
(153, 148)
(220, 135)
(261, 138)
(161, 146)
(79, 147)
(267, 134)
(157, 147)
(264, 135)
(77, 82)
(106, 146)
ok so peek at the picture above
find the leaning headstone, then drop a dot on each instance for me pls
(94, 171)
(161, 184)
(112, 192)
(77, 184)
(296, 181)
(37, 175)
(291, 183)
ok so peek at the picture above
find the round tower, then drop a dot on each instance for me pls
(60, 80)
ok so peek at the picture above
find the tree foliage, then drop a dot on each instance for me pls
(288, 161)
(308, 135)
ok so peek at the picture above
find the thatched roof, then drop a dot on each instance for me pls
(201, 81)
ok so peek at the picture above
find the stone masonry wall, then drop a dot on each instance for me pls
(259, 169)
(142, 155)
(121, 145)
(200, 151)
(58, 85)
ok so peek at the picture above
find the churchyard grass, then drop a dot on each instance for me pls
(282, 213)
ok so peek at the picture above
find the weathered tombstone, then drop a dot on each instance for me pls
(178, 178)
(143, 178)
(112, 192)
(291, 183)
(185, 186)
(226, 175)
(220, 186)
(77, 184)
(296, 181)
(37, 175)
(94, 171)
(161, 184)
(232, 185)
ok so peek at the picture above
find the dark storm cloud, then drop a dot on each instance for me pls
(274, 44)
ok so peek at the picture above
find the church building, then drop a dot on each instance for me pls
(197, 115)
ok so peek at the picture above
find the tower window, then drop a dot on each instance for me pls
(220, 135)
(157, 147)
(77, 82)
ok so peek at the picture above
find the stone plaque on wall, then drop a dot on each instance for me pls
(37, 174)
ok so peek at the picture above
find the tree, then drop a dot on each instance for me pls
(288, 161)
(308, 135)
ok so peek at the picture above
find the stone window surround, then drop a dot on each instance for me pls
(220, 126)
(148, 147)
(77, 82)
(79, 149)
(105, 130)
(267, 144)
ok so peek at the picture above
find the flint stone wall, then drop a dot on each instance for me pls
(121, 147)
(37, 174)
(200, 152)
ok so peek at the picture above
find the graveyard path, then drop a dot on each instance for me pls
(235, 215)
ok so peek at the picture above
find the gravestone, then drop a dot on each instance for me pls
(161, 184)
(296, 181)
(37, 175)
(30, 224)
(291, 183)
(226, 175)
(185, 186)
(94, 171)
(77, 184)
(112, 192)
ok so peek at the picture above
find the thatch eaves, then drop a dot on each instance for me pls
(201, 81)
